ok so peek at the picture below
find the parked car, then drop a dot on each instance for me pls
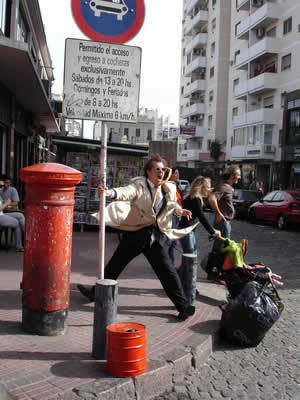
(281, 207)
(183, 186)
(242, 200)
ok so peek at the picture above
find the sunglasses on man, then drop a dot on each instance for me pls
(1, 186)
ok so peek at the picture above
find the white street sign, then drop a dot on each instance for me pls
(101, 81)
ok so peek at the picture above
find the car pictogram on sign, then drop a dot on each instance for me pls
(117, 7)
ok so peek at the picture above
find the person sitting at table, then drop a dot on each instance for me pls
(15, 220)
(10, 193)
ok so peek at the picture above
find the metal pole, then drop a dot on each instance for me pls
(102, 172)
(106, 290)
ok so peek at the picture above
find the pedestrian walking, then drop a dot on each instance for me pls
(220, 200)
(144, 210)
(200, 188)
(175, 220)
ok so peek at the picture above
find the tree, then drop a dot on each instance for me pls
(215, 150)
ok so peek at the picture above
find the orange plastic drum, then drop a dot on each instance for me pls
(126, 349)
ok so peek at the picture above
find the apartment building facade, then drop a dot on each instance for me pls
(27, 110)
(264, 82)
(204, 78)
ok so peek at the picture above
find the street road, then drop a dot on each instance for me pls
(272, 369)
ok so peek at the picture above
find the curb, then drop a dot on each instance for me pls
(160, 376)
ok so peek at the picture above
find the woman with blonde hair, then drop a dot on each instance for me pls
(200, 188)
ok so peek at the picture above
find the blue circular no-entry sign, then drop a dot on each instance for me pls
(113, 21)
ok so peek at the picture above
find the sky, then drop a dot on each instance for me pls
(159, 38)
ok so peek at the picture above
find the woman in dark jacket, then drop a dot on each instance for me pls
(194, 202)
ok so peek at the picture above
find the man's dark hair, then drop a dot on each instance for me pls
(149, 163)
(5, 178)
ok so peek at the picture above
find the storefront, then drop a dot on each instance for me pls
(123, 163)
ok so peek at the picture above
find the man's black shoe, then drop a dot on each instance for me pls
(88, 293)
(187, 312)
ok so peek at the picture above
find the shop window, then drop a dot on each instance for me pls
(3, 150)
(287, 26)
(286, 62)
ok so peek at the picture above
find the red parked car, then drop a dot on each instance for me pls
(281, 207)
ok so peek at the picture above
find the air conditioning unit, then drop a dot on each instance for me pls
(260, 33)
(269, 148)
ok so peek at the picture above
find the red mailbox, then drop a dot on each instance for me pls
(49, 204)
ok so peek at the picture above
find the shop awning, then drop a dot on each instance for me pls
(80, 144)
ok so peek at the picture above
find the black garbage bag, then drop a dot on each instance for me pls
(247, 318)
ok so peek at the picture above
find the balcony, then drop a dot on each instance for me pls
(261, 18)
(243, 5)
(195, 109)
(21, 75)
(196, 21)
(194, 87)
(197, 63)
(188, 155)
(198, 41)
(260, 50)
(191, 5)
(268, 116)
(253, 151)
(258, 85)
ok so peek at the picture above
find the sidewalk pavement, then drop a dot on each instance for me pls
(62, 368)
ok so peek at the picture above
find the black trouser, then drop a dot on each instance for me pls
(134, 243)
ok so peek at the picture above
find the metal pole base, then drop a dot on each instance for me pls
(44, 323)
(105, 313)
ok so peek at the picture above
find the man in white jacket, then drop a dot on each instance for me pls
(144, 210)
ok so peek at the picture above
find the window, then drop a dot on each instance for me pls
(213, 3)
(208, 144)
(294, 119)
(149, 134)
(2, 15)
(236, 53)
(212, 72)
(287, 26)
(213, 48)
(209, 121)
(235, 83)
(269, 102)
(235, 112)
(279, 196)
(22, 30)
(138, 132)
(200, 143)
(188, 58)
(238, 137)
(236, 28)
(211, 96)
(271, 32)
(268, 134)
(213, 24)
(126, 132)
(286, 62)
